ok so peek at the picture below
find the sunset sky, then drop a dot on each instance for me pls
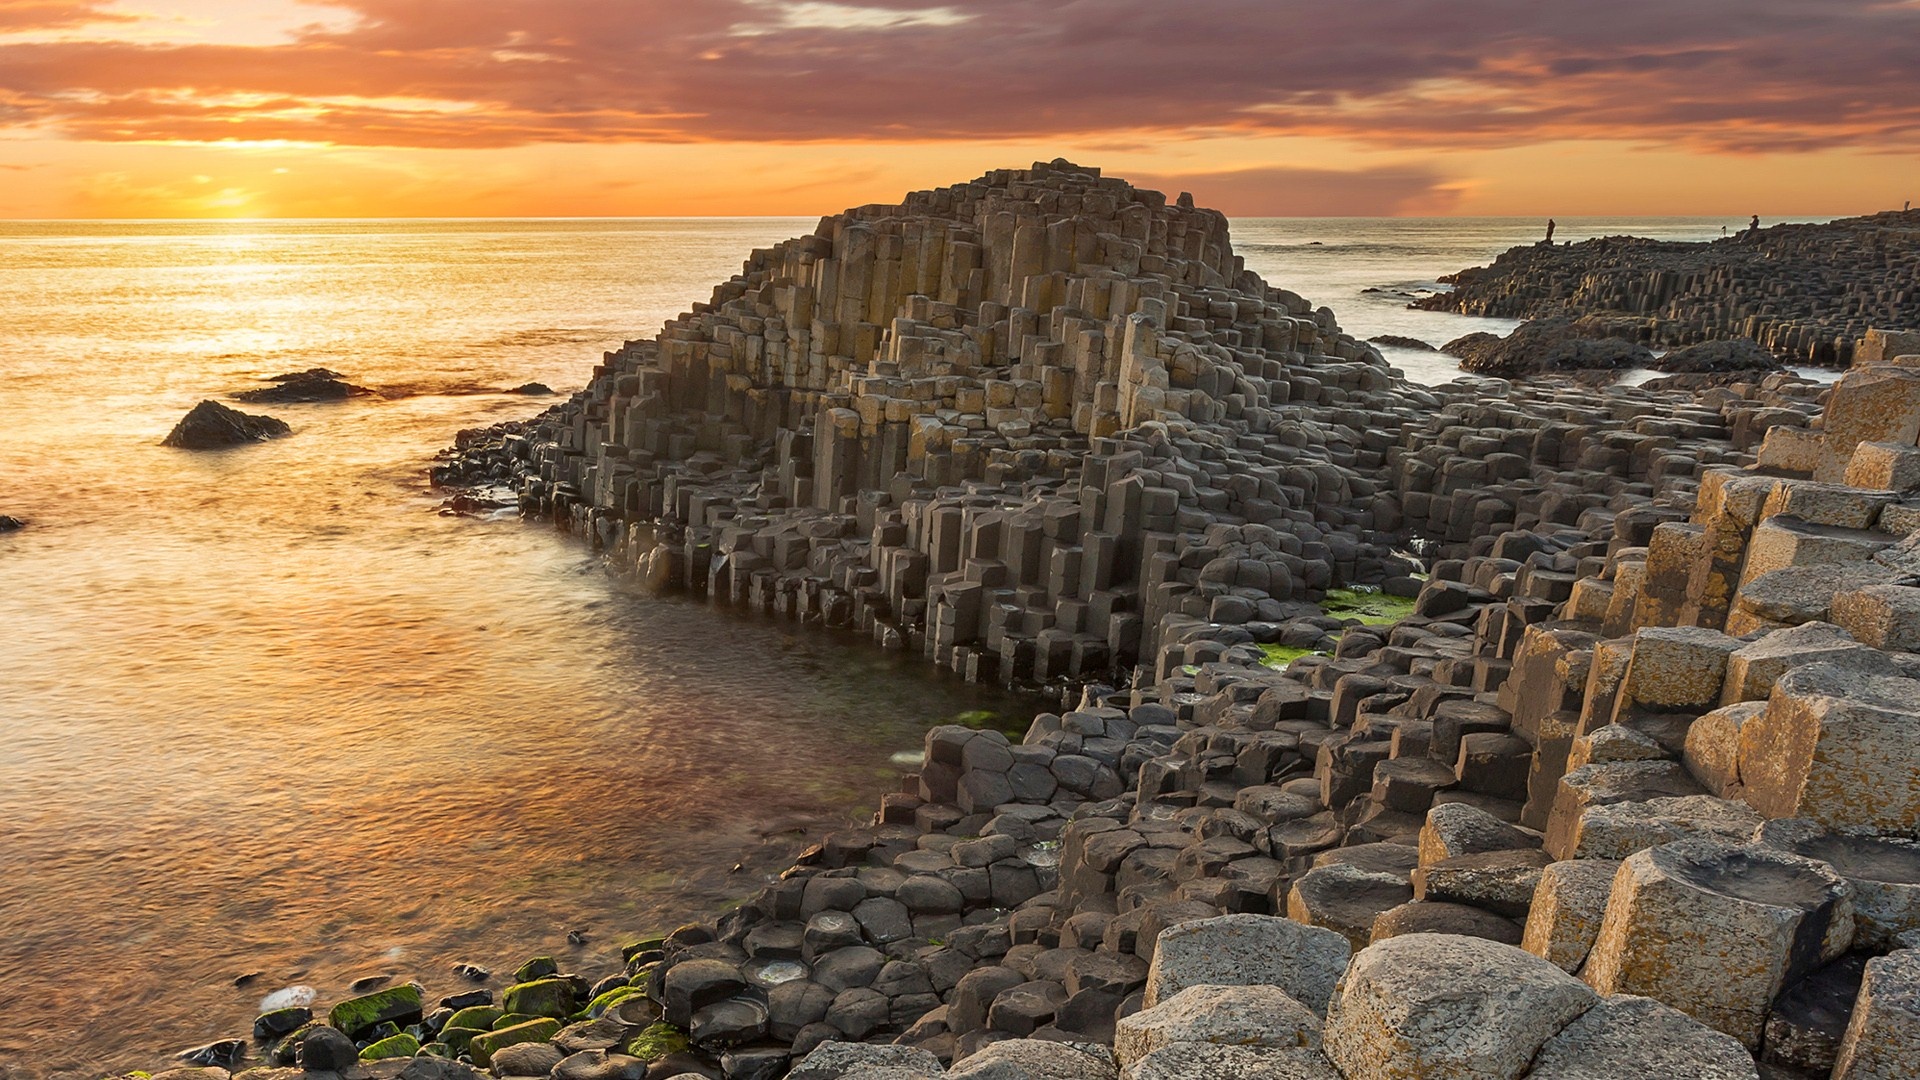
(296, 108)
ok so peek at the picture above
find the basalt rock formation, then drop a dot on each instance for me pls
(1804, 292)
(211, 425)
(313, 384)
(1547, 346)
(1634, 789)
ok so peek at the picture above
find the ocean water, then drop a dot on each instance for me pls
(266, 711)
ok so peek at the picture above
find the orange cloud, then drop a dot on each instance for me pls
(19, 15)
(1721, 76)
(1283, 191)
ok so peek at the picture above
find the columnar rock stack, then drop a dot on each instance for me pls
(1806, 292)
(1011, 422)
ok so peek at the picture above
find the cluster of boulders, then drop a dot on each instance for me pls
(1631, 790)
(1804, 293)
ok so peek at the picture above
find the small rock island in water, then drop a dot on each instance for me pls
(211, 425)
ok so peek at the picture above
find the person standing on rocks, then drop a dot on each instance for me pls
(1550, 228)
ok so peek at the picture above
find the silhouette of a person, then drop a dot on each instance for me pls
(1754, 225)
(1550, 228)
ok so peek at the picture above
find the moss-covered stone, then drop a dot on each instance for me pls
(1369, 606)
(542, 997)
(644, 945)
(285, 1049)
(483, 1047)
(1279, 656)
(657, 1041)
(599, 1006)
(508, 1020)
(481, 1017)
(457, 1038)
(402, 1045)
(395, 1004)
(540, 967)
(438, 1049)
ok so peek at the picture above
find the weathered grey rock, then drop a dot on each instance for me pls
(1248, 950)
(1883, 616)
(1433, 1005)
(1436, 917)
(1617, 830)
(1227, 1015)
(1636, 1038)
(526, 1059)
(695, 984)
(1192, 1061)
(1755, 667)
(1346, 898)
(1568, 906)
(1712, 752)
(1839, 746)
(1033, 1059)
(1502, 882)
(599, 1065)
(1717, 931)
(1455, 829)
(834, 1060)
(1795, 595)
(1883, 1039)
(1884, 873)
(967, 1007)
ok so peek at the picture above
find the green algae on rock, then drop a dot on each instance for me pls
(395, 1004)
(1279, 656)
(1370, 606)
(542, 997)
(402, 1045)
(657, 1041)
(483, 1047)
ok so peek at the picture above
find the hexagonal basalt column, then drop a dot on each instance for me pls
(1836, 745)
(1716, 931)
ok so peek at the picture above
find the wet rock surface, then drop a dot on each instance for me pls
(314, 384)
(211, 425)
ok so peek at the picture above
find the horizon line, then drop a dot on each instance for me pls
(1778, 218)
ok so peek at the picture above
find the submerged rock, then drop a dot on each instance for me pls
(211, 425)
(224, 1054)
(313, 384)
(532, 388)
(1399, 342)
(9, 524)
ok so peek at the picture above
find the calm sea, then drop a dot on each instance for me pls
(265, 710)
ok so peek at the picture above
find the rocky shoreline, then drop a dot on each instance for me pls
(1805, 293)
(1628, 784)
